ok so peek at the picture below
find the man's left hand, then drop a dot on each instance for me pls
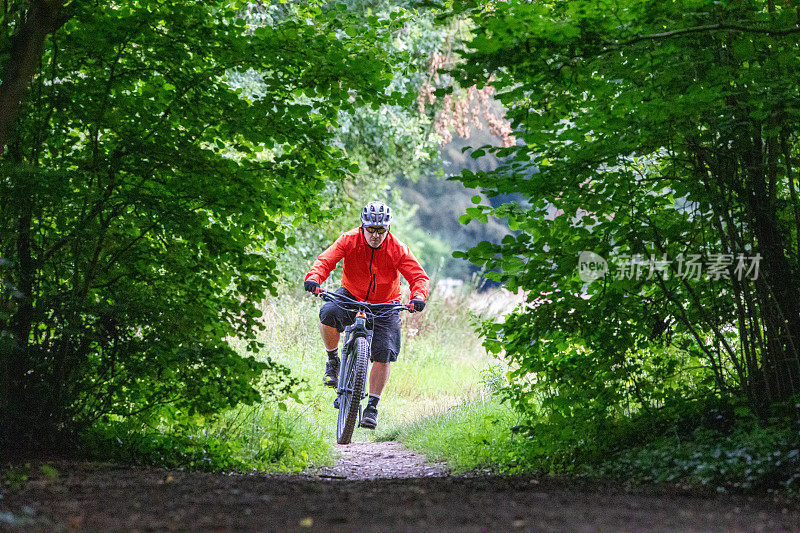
(415, 305)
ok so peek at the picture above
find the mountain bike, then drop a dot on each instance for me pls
(351, 387)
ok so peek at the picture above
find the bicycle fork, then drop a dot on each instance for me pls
(351, 333)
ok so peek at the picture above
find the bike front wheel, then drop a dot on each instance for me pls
(355, 378)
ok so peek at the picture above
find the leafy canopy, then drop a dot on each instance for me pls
(140, 189)
(663, 129)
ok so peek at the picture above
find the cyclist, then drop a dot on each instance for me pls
(373, 262)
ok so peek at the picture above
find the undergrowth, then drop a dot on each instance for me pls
(743, 454)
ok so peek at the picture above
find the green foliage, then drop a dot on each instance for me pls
(116, 443)
(751, 457)
(261, 437)
(703, 447)
(649, 129)
(383, 143)
(140, 190)
(395, 139)
(14, 477)
(396, 150)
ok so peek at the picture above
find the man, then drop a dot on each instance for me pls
(373, 262)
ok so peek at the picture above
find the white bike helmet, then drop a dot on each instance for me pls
(376, 214)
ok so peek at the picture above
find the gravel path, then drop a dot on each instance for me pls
(374, 460)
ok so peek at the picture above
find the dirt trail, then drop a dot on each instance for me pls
(373, 487)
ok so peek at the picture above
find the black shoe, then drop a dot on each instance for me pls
(370, 417)
(331, 372)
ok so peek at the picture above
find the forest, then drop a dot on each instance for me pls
(622, 174)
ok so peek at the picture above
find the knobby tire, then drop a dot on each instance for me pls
(351, 402)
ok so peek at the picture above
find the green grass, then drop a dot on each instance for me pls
(439, 367)
(473, 435)
(749, 456)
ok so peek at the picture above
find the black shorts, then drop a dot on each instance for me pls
(385, 332)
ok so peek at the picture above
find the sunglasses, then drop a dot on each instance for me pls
(371, 229)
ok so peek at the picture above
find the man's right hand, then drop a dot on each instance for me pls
(312, 287)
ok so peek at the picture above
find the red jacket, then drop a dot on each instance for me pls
(372, 274)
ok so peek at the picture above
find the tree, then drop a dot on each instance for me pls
(399, 148)
(140, 188)
(394, 145)
(31, 23)
(659, 131)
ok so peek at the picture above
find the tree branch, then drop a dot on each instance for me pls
(708, 27)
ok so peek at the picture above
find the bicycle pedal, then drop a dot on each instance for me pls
(336, 403)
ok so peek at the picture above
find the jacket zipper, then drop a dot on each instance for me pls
(371, 275)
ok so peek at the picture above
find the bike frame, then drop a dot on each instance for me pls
(346, 382)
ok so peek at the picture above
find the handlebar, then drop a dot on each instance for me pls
(351, 304)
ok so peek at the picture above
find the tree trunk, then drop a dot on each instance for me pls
(780, 365)
(15, 410)
(27, 46)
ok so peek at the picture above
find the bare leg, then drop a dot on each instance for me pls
(378, 377)
(330, 336)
